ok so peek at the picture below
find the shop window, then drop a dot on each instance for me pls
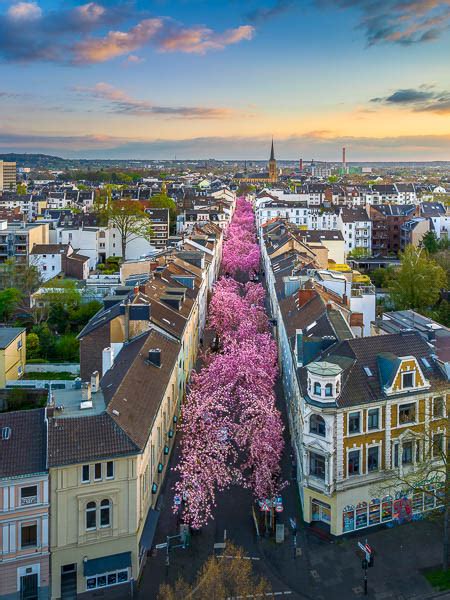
(353, 462)
(317, 465)
(106, 579)
(374, 511)
(361, 515)
(407, 453)
(373, 458)
(386, 509)
(407, 413)
(417, 502)
(317, 425)
(354, 422)
(91, 515)
(438, 408)
(349, 518)
(373, 422)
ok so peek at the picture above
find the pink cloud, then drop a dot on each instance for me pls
(198, 40)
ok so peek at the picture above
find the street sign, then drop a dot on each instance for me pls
(161, 546)
(278, 500)
(177, 500)
(366, 549)
(279, 508)
(293, 523)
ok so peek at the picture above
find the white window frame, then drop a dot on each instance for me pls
(408, 422)
(379, 446)
(113, 469)
(101, 471)
(361, 428)
(88, 589)
(377, 408)
(89, 472)
(432, 407)
(360, 472)
(413, 373)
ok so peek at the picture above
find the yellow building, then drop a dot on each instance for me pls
(373, 427)
(12, 353)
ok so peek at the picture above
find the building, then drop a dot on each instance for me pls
(261, 177)
(12, 354)
(369, 406)
(160, 226)
(17, 239)
(8, 176)
(413, 231)
(55, 259)
(24, 498)
(387, 220)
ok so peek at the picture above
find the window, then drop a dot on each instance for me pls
(317, 388)
(408, 380)
(28, 535)
(353, 462)
(396, 455)
(28, 495)
(91, 515)
(329, 390)
(354, 422)
(317, 465)
(109, 470)
(406, 413)
(85, 477)
(317, 425)
(373, 460)
(373, 418)
(438, 445)
(19, 344)
(97, 471)
(407, 454)
(105, 513)
(438, 408)
(106, 579)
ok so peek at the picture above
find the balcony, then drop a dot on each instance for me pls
(28, 500)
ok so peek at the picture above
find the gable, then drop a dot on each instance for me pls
(407, 376)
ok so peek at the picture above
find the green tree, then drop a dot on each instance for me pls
(220, 578)
(21, 189)
(67, 348)
(382, 277)
(162, 200)
(46, 340)
(130, 220)
(359, 252)
(33, 346)
(417, 282)
(9, 302)
(430, 242)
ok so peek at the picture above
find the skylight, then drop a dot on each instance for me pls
(368, 372)
(6, 433)
(425, 362)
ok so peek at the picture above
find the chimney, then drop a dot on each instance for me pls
(344, 165)
(305, 295)
(301, 165)
(107, 359)
(86, 392)
(95, 382)
(154, 357)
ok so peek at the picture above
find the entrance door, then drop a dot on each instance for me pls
(320, 511)
(29, 587)
(69, 582)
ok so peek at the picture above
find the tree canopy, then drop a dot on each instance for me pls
(130, 220)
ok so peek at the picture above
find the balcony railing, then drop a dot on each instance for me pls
(28, 500)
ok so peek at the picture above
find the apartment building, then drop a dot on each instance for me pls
(53, 259)
(12, 353)
(17, 239)
(24, 506)
(8, 176)
(413, 231)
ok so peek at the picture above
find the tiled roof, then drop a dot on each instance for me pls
(82, 439)
(24, 450)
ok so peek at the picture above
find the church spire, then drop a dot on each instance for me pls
(272, 153)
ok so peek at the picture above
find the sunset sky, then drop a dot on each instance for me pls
(218, 78)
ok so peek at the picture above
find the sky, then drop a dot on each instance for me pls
(219, 78)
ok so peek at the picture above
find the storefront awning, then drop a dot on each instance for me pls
(105, 564)
(148, 532)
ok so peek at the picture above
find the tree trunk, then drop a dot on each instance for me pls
(124, 247)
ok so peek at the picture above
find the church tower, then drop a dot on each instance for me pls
(273, 171)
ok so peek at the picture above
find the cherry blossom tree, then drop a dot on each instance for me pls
(231, 429)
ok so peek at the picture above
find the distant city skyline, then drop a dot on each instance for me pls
(195, 79)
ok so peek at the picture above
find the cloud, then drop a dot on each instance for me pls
(24, 11)
(402, 22)
(198, 40)
(119, 101)
(322, 145)
(262, 14)
(423, 99)
(77, 35)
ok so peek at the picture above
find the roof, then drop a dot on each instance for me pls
(82, 439)
(24, 451)
(50, 249)
(8, 335)
(135, 387)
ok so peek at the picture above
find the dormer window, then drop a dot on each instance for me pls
(317, 388)
(408, 380)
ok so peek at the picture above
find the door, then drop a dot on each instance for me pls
(320, 511)
(29, 587)
(69, 582)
